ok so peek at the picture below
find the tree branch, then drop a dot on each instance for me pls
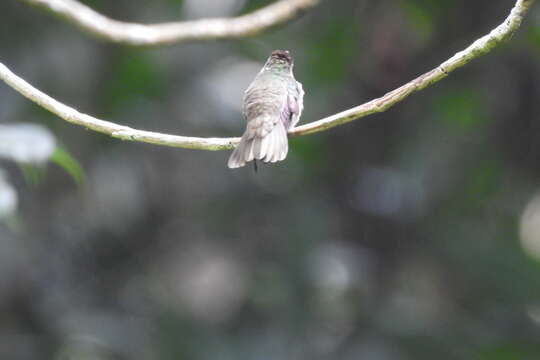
(476, 49)
(103, 27)
(480, 47)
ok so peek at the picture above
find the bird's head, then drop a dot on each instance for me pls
(280, 60)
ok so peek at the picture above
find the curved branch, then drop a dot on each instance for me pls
(103, 27)
(476, 49)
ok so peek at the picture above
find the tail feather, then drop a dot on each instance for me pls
(270, 148)
(250, 151)
(241, 154)
(268, 142)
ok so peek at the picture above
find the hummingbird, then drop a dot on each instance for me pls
(272, 106)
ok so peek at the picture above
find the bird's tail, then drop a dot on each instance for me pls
(270, 148)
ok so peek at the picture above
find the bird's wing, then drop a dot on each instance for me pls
(295, 102)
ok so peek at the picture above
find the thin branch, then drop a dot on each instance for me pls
(106, 28)
(106, 127)
(480, 47)
(476, 49)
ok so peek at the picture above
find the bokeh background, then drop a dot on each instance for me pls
(410, 234)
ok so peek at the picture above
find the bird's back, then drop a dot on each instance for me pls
(266, 95)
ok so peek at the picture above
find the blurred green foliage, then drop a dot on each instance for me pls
(393, 237)
(67, 162)
(133, 76)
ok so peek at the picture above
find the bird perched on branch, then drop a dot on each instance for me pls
(272, 105)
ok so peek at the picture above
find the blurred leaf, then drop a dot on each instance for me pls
(428, 10)
(32, 174)
(67, 162)
(460, 109)
(26, 143)
(331, 51)
(533, 37)
(309, 149)
(135, 75)
(420, 18)
(176, 5)
(483, 182)
(511, 352)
